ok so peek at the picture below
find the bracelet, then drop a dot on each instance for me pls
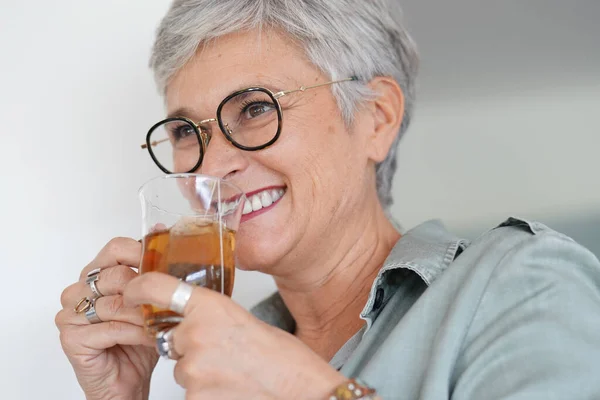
(353, 390)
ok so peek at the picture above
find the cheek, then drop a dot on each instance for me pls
(184, 161)
(314, 154)
(258, 249)
(330, 176)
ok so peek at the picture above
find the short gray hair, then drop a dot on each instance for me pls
(343, 38)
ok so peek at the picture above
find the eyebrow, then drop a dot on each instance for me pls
(189, 112)
(181, 112)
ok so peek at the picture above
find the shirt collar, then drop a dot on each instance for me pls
(426, 250)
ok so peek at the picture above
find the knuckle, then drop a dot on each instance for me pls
(70, 341)
(114, 327)
(114, 245)
(178, 373)
(115, 304)
(194, 372)
(195, 341)
(89, 267)
(187, 367)
(67, 295)
(151, 280)
(152, 277)
(122, 274)
(67, 338)
(114, 279)
(59, 319)
(187, 371)
(116, 276)
(110, 274)
(209, 376)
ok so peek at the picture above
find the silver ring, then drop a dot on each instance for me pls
(180, 297)
(92, 277)
(91, 315)
(164, 344)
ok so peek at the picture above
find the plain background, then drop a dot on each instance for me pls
(507, 123)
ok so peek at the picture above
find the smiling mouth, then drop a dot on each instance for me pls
(262, 199)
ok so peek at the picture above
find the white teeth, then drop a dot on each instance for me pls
(276, 194)
(247, 207)
(265, 199)
(262, 200)
(256, 204)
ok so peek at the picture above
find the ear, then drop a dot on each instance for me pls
(387, 113)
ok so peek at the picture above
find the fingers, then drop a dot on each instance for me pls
(204, 377)
(111, 281)
(112, 308)
(185, 370)
(157, 289)
(158, 227)
(102, 336)
(198, 371)
(118, 251)
(151, 288)
(108, 334)
(108, 308)
(70, 296)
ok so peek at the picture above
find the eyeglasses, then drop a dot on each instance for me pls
(251, 119)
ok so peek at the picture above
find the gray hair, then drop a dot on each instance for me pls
(343, 38)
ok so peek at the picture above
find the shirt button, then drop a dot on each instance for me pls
(378, 299)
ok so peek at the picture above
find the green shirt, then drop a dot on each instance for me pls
(513, 315)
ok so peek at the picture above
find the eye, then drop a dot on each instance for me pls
(256, 109)
(181, 131)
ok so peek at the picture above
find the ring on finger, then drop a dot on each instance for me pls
(165, 346)
(83, 305)
(92, 277)
(180, 297)
(91, 314)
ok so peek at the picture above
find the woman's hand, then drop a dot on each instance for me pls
(113, 359)
(226, 353)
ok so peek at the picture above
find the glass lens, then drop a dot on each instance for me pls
(176, 146)
(250, 118)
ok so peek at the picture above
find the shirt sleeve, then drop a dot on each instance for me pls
(536, 332)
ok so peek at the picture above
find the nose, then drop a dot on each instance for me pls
(221, 158)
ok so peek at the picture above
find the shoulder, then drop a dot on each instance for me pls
(514, 259)
(521, 262)
(521, 246)
(535, 311)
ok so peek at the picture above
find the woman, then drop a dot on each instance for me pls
(515, 314)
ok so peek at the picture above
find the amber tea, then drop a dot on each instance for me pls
(188, 228)
(192, 253)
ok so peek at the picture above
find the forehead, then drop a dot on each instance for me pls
(237, 61)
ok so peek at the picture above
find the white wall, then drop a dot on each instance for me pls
(506, 119)
(479, 160)
(76, 99)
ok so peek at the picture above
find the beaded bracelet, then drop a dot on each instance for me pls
(353, 390)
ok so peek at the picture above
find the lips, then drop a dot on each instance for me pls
(262, 199)
(257, 202)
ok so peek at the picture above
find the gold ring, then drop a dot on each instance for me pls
(83, 305)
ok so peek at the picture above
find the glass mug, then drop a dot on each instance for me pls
(188, 226)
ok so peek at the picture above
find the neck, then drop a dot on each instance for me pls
(326, 297)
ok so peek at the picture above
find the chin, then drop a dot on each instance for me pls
(262, 241)
(259, 253)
